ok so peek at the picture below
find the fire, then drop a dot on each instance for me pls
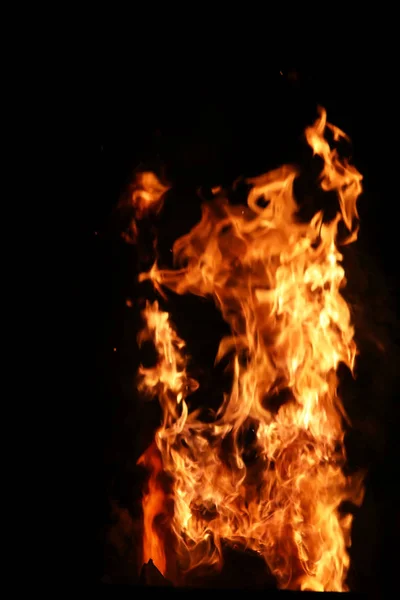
(146, 197)
(147, 194)
(276, 281)
(153, 506)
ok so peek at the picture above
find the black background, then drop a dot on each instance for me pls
(206, 122)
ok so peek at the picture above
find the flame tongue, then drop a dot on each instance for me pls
(268, 477)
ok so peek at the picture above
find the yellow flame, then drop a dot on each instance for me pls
(277, 283)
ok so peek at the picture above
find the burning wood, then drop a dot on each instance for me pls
(276, 281)
(151, 576)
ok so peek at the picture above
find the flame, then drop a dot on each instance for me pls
(153, 505)
(276, 281)
(146, 197)
(147, 194)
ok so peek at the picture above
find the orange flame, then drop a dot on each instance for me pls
(147, 194)
(276, 281)
(147, 197)
(153, 506)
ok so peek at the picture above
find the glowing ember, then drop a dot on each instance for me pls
(276, 282)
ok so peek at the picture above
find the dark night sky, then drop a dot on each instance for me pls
(204, 128)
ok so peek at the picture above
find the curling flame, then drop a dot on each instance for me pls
(276, 281)
(146, 197)
(147, 194)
